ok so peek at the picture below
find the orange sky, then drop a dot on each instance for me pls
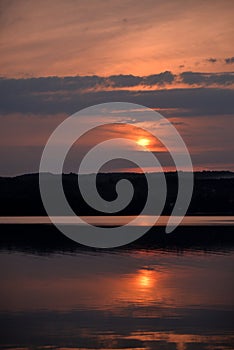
(114, 37)
(126, 45)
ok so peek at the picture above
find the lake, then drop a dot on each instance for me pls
(136, 297)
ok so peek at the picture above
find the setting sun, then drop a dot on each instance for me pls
(143, 142)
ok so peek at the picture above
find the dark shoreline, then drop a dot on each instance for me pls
(212, 195)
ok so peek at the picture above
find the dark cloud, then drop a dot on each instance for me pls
(49, 85)
(55, 84)
(207, 79)
(212, 60)
(132, 80)
(124, 80)
(67, 95)
(229, 60)
(159, 79)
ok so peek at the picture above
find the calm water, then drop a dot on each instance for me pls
(118, 299)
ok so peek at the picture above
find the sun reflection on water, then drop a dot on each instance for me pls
(146, 279)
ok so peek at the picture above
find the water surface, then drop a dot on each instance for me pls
(132, 298)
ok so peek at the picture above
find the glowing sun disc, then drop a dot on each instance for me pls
(143, 142)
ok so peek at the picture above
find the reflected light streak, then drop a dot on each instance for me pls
(146, 279)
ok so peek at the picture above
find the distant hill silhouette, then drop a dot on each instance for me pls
(213, 193)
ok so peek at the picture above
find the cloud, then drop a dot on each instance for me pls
(67, 95)
(46, 89)
(132, 80)
(159, 79)
(207, 79)
(107, 37)
(124, 80)
(229, 60)
(212, 60)
(74, 83)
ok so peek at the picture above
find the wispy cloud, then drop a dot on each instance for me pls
(109, 37)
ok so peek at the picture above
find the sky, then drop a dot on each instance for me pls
(58, 57)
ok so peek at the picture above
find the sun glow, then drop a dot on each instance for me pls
(143, 142)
